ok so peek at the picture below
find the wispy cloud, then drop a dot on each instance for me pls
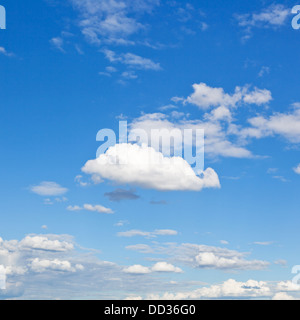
(297, 169)
(47, 188)
(58, 43)
(265, 243)
(147, 234)
(132, 60)
(4, 52)
(111, 21)
(286, 125)
(274, 16)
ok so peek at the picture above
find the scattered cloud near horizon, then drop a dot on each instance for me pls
(92, 208)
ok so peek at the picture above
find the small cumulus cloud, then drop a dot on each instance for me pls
(92, 208)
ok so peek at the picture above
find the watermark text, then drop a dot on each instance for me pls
(2, 17)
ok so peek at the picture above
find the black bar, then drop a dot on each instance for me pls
(146, 309)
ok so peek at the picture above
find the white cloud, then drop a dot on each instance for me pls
(297, 169)
(288, 286)
(129, 75)
(220, 113)
(258, 97)
(74, 208)
(282, 296)
(111, 21)
(147, 168)
(121, 223)
(273, 16)
(153, 234)
(93, 208)
(218, 258)
(79, 180)
(224, 242)
(228, 289)
(137, 269)
(5, 53)
(206, 97)
(281, 262)
(108, 71)
(204, 257)
(263, 71)
(133, 298)
(48, 189)
(39, 266)
(97, 208)
(47, 243)
(158, 267)
(111, 69)
(226, 260)
(217, 138)
(140, 62)
(286, 125)
(165, 232)
(165, 267)
(210, 257)
(132, 60)
(58, 43)
(265, 243)
(143, 248)
(63, 269)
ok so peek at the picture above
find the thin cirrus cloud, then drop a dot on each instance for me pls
(132, 60)
(47, 188)
(58, 42)
(4, 52)
(141, 169)
(92, 208)
(264, 243)
(147, 234)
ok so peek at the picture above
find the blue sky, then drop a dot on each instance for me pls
(81, 229)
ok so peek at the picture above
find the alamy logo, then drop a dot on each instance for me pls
(296, 19)
(2, 18)
(187, 143)
(296, 271)
(2, 278)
